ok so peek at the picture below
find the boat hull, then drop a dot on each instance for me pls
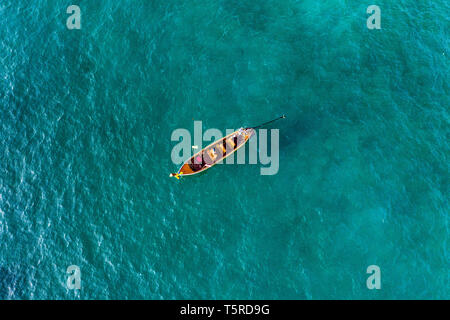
(216, 152)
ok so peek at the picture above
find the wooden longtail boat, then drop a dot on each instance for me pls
(217, 151)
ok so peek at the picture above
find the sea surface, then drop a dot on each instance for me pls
(86, 118)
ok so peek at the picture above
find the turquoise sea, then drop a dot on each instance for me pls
(86, 118)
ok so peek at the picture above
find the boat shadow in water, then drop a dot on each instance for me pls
(298, 129)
